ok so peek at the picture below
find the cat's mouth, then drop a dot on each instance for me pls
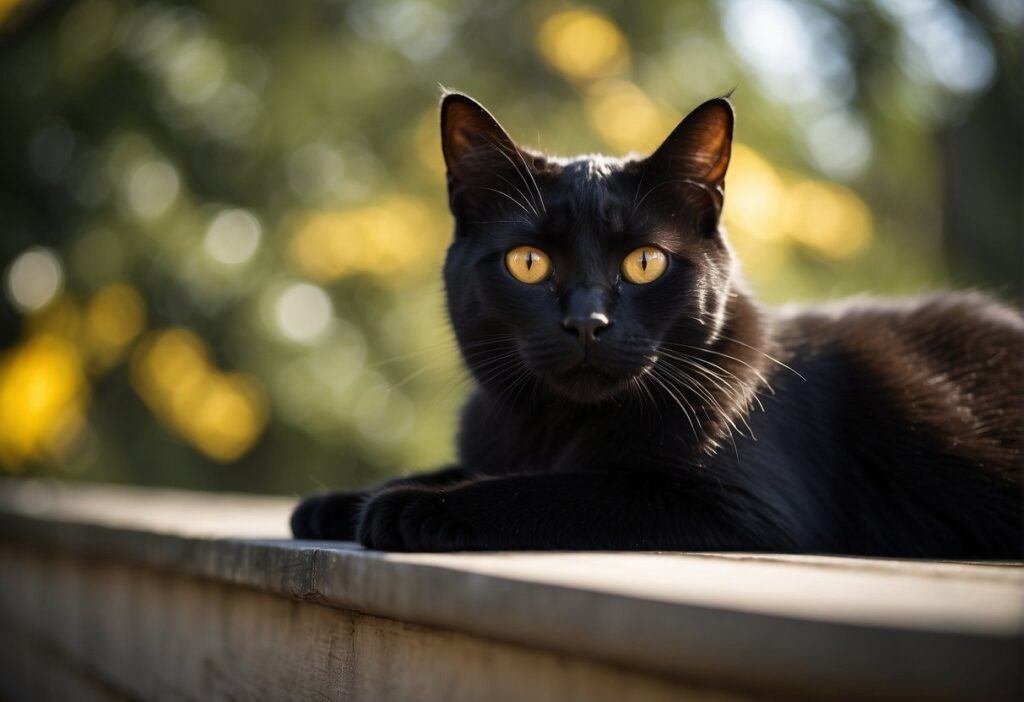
(588, 383)
(585, 378)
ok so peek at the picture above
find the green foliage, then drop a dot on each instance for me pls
(223, 221)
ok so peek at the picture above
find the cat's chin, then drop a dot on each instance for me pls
(587, 385)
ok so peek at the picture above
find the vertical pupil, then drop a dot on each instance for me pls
(643, 260)
(529, 260)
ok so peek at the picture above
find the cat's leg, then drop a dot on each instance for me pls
(334, 515)
(572, 511)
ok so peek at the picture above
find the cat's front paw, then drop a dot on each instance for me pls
(407, 519)
(330, 516)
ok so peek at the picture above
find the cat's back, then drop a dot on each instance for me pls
(967, 333)
(951, 365)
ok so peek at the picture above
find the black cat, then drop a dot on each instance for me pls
(632, 394)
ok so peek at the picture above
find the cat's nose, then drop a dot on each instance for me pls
(586, 326)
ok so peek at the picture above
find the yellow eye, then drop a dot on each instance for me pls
(528, 265)
(644, 265)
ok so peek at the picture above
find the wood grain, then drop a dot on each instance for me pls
(93, 560)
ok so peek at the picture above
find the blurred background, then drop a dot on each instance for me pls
(222, 222)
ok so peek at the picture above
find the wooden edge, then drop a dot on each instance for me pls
(735, 649)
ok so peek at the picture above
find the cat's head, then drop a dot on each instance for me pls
(578, 273)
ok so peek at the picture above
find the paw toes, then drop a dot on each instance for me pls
(329, 516)
(382, 526)
(301, 522)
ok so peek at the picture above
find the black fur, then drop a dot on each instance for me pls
(696, 420)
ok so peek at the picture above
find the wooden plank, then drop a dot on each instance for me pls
(34, 669)
(796, 626)
(162, 636)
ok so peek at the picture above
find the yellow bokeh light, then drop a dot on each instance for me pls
(228, 417)
(8, 8)
(114, 317)
(765, 204)
(625, 117)
(221, 414)
(393, 234)
(170, 358)
(754, 195)
(828, 218)
(427, 143)
(760, 259)
(583, 44)
(42, 390)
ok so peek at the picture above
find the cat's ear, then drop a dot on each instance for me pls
(700, 146)
(697, 151)
(468, 131)
(476, 149)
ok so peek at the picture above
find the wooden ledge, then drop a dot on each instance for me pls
(597, 625)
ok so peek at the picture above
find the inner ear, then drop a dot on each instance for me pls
(486, 169)
(690, 165)
(470, 137)
(699, 147)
